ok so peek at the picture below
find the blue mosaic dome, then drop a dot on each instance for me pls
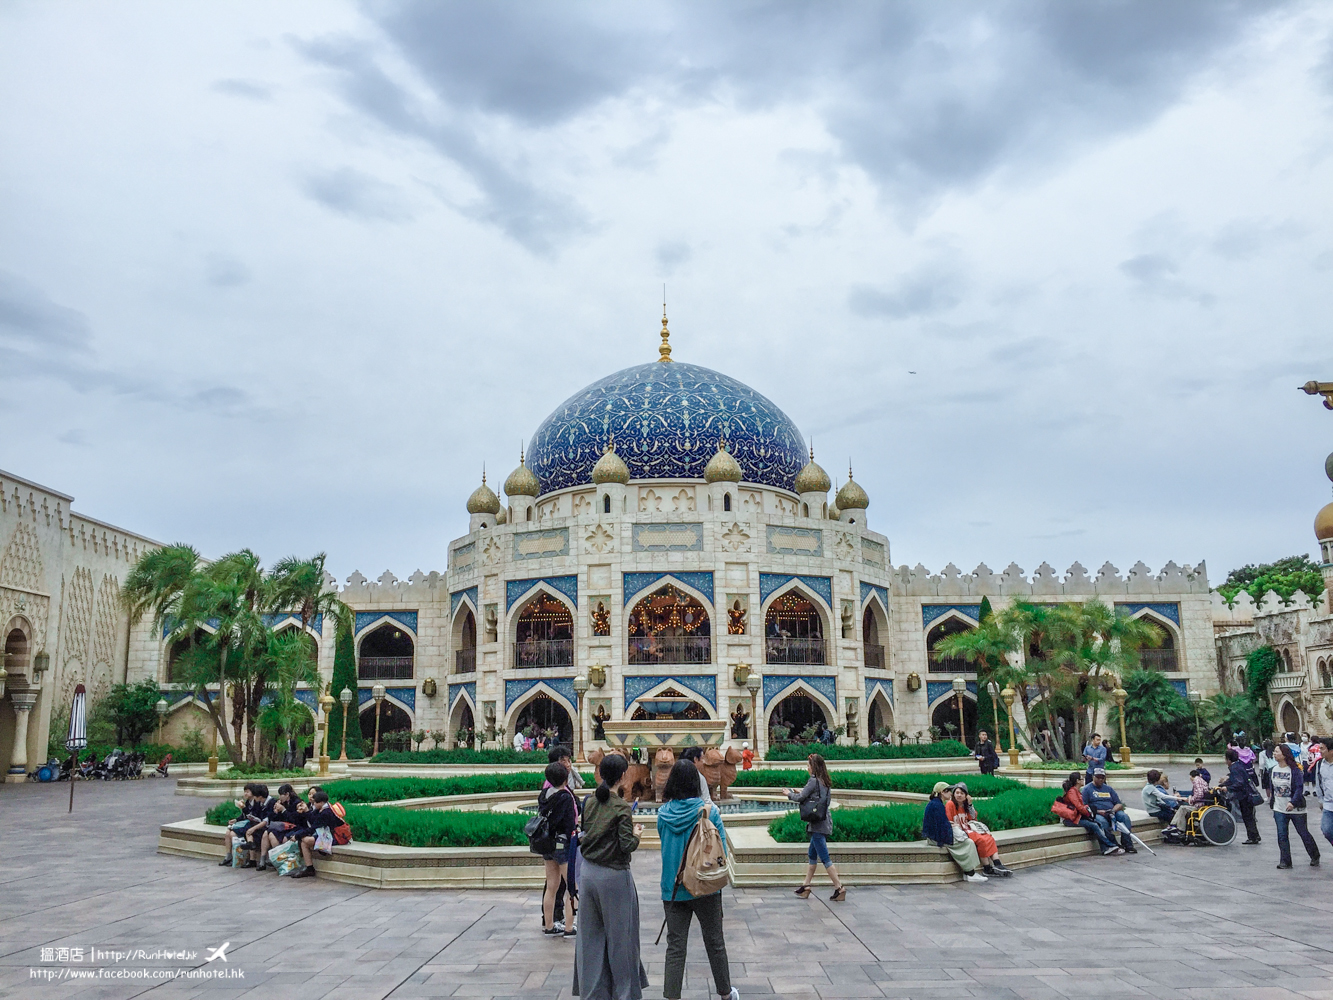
(666, 420)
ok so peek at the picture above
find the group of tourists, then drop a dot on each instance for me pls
(535, 739)
(268, 822)
(950, 821)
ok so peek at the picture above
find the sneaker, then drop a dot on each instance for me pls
(1115, 851)
(1130, 850)
(1284, 864)
(553, 931)
(225, 863)
(1314, 862)
(304, 873)
(558, 925)
(248, 864)
(1248, 842)
(734, 994)
(571, 932)
(974, 877)
(989, 871)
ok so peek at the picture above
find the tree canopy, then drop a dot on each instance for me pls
(1284, 577)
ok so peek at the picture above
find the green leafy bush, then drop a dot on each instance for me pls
(436, 828)
(940, 748)
(1011, 810)
(223, 814)
(460, 756)
(978, 784)
(258, 771)
(394, 789)
(1068, 765)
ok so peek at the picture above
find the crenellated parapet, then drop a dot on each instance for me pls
(1014, 581)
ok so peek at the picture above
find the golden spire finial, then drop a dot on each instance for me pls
(849, 468)
(520, 452)
(483, 473)
(664, 348)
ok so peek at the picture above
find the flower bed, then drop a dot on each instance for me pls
(940, 748)
(978, 784)
(1010, 810)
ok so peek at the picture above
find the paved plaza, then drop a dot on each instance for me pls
(1212, 924)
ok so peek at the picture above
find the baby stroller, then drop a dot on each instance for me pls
(161, 770)
(1208, 824)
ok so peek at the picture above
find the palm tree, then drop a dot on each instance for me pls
(290, 664)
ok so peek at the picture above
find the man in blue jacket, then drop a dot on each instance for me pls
(1108, 810)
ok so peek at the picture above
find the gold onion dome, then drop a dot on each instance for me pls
(812, 478)
(522, 482)
(483, 499)
(610, 468)
(1323, 523)
(833, 513)
(722, 468)
(851, 496)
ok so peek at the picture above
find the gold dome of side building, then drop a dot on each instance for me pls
(812, 478)
(610, 468)
(522, 482)
(1323, 523)
(483, 499)
(722, 467)
(851, 496)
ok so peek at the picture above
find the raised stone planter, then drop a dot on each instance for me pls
(1129, 780)
(231, 788)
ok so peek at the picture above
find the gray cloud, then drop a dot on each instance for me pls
(930, 290)
(1155, 274)
(1242, 239)
(224, 271)
(671, 254)
(357, 195)
(29, 318)
(244, 88)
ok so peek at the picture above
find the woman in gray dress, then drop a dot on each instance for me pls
(818, 790)
(607, 965)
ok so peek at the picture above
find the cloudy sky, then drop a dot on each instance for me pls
(286, 275)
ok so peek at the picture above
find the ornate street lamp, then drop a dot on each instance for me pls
(377, 692)
(161, 707)
(346, 698)
(1009, 694)
(1194, 698)
(1120, 694)
(326, 704)
(993, 690)
(580, 688)
(959, 686)
(753, 682)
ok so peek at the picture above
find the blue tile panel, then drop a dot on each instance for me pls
(364, 619)
(667, 538)
(769, 583)
(458, 690)
(567, 585)
(546, 544)
(929, 612)
(666, 420)
(872, 553)
(515, 690)
(457, 596)
(170, 624)
(408, 696)
(634, 583)
(874, 684)
(788, 541)
(704, 685)
(1181, 686)
(1171, 612)
(278, 620)
(937, 689)
(775, 684)
(882, 592)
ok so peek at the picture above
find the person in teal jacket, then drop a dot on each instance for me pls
(675, 822)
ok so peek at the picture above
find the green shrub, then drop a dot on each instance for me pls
(436, 828)
(940, 748)
(223, 814)
(978, 784)
(258, 771)
(394, 789)
(460, 756)
(1069, 765)
(1011, 810)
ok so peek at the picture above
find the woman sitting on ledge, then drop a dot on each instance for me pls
(937, 829)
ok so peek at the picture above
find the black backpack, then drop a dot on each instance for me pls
(538, 829)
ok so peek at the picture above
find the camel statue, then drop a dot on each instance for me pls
(719, 769)
(663, 761)
(637, 781)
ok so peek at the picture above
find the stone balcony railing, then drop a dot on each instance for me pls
(1286, 682)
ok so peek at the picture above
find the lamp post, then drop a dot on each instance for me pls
(1009, 694)
(753, 682)
(993, 690)
(377, 692)
(161, 707)
(346, 698)
(326, 703)
(1119, 694)
(1194, 698)
(959, 686)
(580, 687)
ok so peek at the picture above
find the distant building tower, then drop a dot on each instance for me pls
(1323, 531)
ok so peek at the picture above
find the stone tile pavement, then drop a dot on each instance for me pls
(1190, 924)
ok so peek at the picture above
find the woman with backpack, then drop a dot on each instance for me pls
(814, 800)
(607, 965)
(557, 806)
(677, 819)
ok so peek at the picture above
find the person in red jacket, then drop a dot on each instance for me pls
(747, 757)
(1073, 811)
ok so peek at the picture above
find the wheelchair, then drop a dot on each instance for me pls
(1209, 824)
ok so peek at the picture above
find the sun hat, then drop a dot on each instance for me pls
(939, 787)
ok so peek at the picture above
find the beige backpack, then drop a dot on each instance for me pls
(704, 869)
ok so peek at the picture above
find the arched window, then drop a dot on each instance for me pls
(465, 656)
(529, 513)
(545, 635)
(726, 501)
(606, 503)
(797, 718)
(312, 647)
(670, 626)
(601, 619)
(178, 662)
(805, 510)
(793, 630)
(1161, 657)
(542, 715)
(939, 664)
(945, 718)
(874, 649)
(386, 654)
(1286, 661)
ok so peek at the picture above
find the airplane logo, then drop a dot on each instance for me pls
(218, 952)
